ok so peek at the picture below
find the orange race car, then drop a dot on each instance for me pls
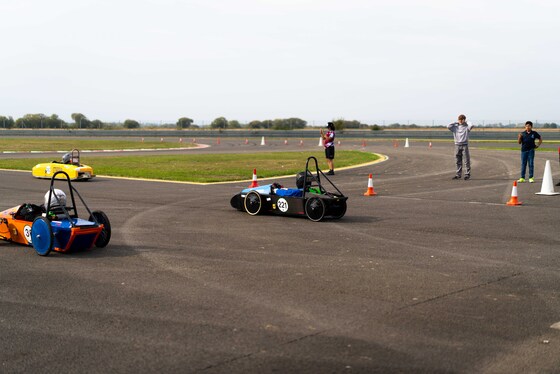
(55, 225)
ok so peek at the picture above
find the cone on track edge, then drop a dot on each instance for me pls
(547, 187)
(320, 142)
(263, 142)
(246, 141)
(254, 183)
(370, 191)
(513, 200)
(285, 141)
(430, 145)
(406, 145)
(301, 142)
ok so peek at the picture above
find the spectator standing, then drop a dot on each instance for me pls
(527, 140)
(461, 130)
(328, 142)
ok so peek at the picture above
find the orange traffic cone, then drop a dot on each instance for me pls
(513, 200)
(254, 183)
(430, 145)
(370, 191)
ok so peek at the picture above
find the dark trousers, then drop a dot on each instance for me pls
(527, 157)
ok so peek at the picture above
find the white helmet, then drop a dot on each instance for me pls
(58, 200)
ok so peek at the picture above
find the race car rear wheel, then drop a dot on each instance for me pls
(105, 235)
(253, 203)
(315, 209)
(42, 237)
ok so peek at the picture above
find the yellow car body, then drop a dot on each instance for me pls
(70, 164)
(75, 172)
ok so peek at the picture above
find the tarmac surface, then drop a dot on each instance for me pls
(432, 275)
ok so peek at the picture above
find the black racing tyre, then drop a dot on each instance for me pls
(253, 203)
(315, 209)
(105, 235)
(338, 210)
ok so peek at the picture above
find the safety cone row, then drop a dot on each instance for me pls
(370, 191)
(254, 183)
(513, 200)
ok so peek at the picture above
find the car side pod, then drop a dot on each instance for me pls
(42, 237)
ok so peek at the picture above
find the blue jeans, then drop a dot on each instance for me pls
(527, 157)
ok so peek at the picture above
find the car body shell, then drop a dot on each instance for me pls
(78, 235)
(310, 199)
(75, 172)
(56, 225)
(70, 165)
(287, 202)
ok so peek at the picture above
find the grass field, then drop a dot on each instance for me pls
(202, 168)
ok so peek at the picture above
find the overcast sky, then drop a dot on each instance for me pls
(373, 61)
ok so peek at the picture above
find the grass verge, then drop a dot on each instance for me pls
(203, 168)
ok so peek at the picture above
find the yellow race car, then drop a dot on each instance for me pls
(70, 164)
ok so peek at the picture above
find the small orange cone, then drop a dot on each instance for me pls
(370, 191)
(218, 141)
(254, 183)
(513, 200)
(246, 141)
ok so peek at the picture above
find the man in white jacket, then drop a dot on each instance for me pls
(461, 130)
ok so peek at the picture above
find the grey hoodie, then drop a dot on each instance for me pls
(460, 132)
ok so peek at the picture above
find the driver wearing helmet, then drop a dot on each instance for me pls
(57, 202)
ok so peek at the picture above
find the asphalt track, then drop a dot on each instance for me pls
(431, 275)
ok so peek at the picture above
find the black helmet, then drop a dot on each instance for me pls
(301, 175)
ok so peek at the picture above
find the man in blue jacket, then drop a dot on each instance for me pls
(528, 146)
(461, 130)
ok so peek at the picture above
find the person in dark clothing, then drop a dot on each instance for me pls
(328, 143)
(527, 140)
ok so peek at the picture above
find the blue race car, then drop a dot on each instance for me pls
(309, 199)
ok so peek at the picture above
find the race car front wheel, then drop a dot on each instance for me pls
(315, 209)
(253, 203)
(42, 237)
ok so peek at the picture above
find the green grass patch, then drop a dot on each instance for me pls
(203, 168)
(57, 144)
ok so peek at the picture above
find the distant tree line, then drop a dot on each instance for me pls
(80, 121)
